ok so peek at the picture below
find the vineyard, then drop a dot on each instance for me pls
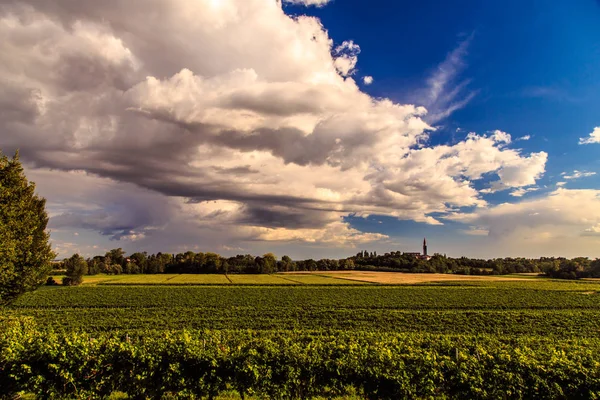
(466, 339)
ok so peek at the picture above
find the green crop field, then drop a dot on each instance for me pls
(521, 307)
(287, 330)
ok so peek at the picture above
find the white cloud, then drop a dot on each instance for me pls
(318, 3)
(563, 213)
(475, 231)
(526, 137)
(446, 92)
(501, 137)
(577, 174)
(593, 138)
(367, 80)
(224, 121)
(520, 192)
(346, 57)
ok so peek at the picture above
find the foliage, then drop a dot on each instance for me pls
(115, 262)
(479, 340)
(76, 267)
(25, 252)
(561, 309)
(294, 365)
(574, 269)
(51, 282)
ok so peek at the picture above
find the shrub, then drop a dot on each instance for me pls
(51, 282)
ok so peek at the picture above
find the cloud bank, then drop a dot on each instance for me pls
(224, 122)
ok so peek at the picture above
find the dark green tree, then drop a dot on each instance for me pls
(141, 260)
(117, 256)
(269, 263)
(287, 264)
(76, 267)
(25, 251)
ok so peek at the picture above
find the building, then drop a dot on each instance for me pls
(425, 256)
(422, 256)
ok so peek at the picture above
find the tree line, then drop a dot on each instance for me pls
(555, 267)
(117, 262)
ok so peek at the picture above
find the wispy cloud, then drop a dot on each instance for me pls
(475, 231)
(549, 93)
(446, 92)
(577, 174)
(520, 192)
(317, 3)
(593, 138)
(526, 137)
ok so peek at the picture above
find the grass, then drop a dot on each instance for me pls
(251, 279)
(318, 279)
(398, 278)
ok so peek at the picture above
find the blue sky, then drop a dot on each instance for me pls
(535, 65)
(247, 126)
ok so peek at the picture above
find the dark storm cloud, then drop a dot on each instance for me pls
(78, 72)
(282, 217)
(17, 103)
(108, 223)
(242, 170)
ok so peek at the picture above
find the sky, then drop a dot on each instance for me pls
(312, 128)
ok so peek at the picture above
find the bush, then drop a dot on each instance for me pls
(72, 280)
(51, 282)
(288, 365)
(66, 281)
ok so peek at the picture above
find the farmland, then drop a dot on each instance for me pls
(299, 278)
(316, 302)
(289, 324)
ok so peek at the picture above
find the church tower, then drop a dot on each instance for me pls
(424, 247)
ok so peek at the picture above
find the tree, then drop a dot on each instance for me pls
(141, 260)
(76, 267)
(117, 256)
(269, 263)
(95, 265)
(287, 264)
(212, 262)
(25, 251)
(347, 264)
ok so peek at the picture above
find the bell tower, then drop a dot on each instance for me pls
(425, 247)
